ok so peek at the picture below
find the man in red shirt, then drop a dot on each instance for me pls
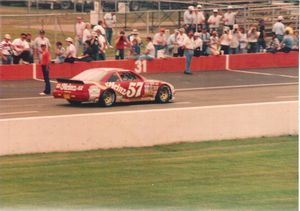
(121, 43)
(45, 62)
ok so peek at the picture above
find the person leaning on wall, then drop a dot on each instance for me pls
(70, 54)
(6, 50)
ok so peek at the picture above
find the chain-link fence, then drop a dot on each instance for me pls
(62, 24)
(59, 26)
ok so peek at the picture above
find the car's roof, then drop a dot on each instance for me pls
(98, 74)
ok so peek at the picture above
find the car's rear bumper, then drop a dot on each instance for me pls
(73, 96)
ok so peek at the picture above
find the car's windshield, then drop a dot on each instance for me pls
(90, 75)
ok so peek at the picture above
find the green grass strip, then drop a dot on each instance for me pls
(251, 174)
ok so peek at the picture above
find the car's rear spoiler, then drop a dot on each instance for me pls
(64, 80)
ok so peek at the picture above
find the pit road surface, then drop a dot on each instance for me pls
(20, 98)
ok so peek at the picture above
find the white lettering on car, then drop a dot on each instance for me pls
(116, 87)
(69, 87)
(134, 89)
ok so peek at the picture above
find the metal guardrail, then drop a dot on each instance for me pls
(146, 21)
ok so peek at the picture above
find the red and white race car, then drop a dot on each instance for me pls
(108, 86)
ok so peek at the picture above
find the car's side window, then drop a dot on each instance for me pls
(114, 78)
(128, 76)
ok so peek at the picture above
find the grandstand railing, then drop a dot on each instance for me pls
(61, 25)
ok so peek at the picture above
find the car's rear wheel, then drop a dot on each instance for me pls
(108, 98)
(163, 95)
(74, 103)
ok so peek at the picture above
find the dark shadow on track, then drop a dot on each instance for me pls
(95, 105)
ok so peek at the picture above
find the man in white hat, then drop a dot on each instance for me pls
(102, 41)
(134, 35)
(188, 18)
(189, 46)
(198, 45)
(278, 28)
(21, 50)
(70, 52)
(235, 42)
(180, 39)
(229, 18)
(110, 20)
(199, 18)
(38, 41)
(205, 37)
(79, 28)
(214, 21)
(172, 45)
(6, 52)
(160, 41)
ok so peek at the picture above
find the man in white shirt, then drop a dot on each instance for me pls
(198, 45)
(150, 50)
(278, 28)
(229, 18)
(213, 45)
(159, 41)
(102, 45)
(172, 45)
(41, 39)
(110, 20)
(180, 39)
(70, 52)
(99, 27)
(199, 18)
(21, 50)
(205, 37)
(31, 47)
(134, 35)
(79, 28)
(188, 18)
(235, 42)
(6, 52)
(253, 35)
(189, 47)
(225, 41)
(87, 32)
(214, 21)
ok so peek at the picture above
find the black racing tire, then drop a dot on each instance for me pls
(108, 98)
(74, 103)
(164, 94)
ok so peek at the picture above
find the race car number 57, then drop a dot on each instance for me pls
(134, 89)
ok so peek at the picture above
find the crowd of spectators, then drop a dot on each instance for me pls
(201, 35)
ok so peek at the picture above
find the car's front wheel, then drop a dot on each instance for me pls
(163, 95)
(108, 98)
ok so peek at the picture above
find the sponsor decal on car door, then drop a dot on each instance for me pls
(128, 89)
(135, 89)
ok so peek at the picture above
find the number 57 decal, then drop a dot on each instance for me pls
(134, 89)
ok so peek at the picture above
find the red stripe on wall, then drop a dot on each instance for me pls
(208, 63)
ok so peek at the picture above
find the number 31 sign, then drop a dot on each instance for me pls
(140, 66)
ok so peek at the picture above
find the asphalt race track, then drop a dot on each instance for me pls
(21, 99)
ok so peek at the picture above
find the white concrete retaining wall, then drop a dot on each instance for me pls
(147, 127)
